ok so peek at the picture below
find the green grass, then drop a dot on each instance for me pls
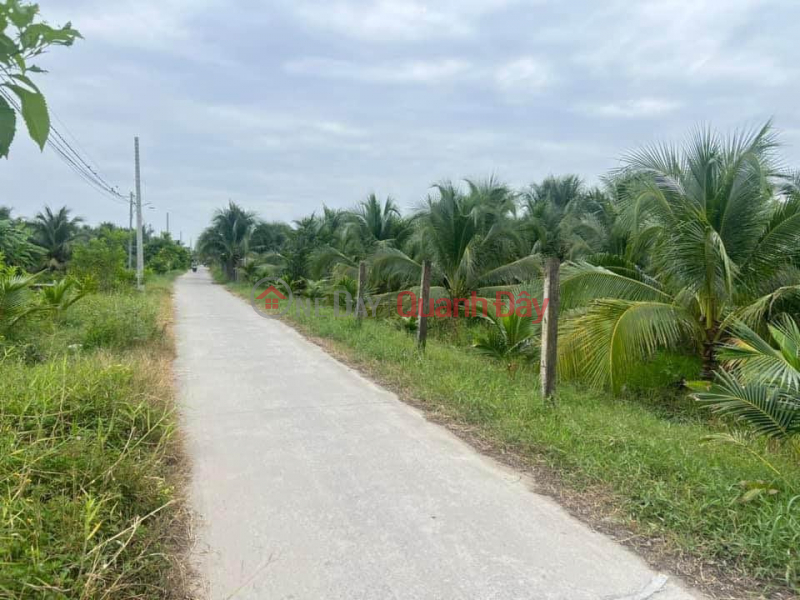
(661, 478)
(88, 458)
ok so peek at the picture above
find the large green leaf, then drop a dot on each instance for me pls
(22, 15)
(41, 34)
(34, 111)
(8, 127)
(7, 46)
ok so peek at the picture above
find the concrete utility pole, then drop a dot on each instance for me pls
(167, 222)
(549, 358)
(130, 232)
(424, 301)
(139, 236)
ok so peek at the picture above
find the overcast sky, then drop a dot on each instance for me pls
(283, 105)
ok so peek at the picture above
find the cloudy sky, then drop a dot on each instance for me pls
(283, 105)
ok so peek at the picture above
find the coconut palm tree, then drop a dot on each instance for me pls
(557, 217)
(228, 237)
(381, 223)
(506, 337)
(55, 232)
(723, 246)
(358, 234)
(469, 239)
(61, 295)
(269, 236)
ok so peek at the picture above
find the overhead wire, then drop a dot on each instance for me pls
(73, 159)
(85, 168)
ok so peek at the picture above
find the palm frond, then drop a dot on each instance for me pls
(772, 411)
(393, 263)
(523, 269)
(754, 359)
(603, 343)
(62, 294)
(16, 300)
(582, 283)
(781, 238)
(325, 258)
(764, 307)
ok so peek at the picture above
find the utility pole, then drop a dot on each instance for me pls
(130, 232)
(139, 236)
(167, 222)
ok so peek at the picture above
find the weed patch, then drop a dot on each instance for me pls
(90, 463)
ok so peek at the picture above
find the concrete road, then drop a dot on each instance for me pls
(313, 483)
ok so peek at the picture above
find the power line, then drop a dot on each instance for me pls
(88, 167)
(73, 159)
(83, 168)
(98, 184)
(74, 139)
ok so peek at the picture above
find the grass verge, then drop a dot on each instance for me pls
(91, 467)
(630, 468)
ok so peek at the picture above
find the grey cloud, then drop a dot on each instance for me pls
(288, 104)
(392, 20)
(414, 71)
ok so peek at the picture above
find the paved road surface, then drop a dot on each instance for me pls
(312, 483)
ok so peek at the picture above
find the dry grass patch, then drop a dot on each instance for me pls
(92, 469)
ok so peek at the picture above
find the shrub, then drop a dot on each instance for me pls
(163, 255)
(101, 261)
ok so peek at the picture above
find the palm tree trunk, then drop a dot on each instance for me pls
(549, 359)
(710, 362)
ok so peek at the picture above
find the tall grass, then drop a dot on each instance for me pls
(89, 461)
(115, 320)
(657, 473)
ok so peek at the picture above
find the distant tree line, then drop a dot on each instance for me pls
(692, 248)
(58, 243)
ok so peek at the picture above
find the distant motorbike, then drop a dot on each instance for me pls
(194, 268)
